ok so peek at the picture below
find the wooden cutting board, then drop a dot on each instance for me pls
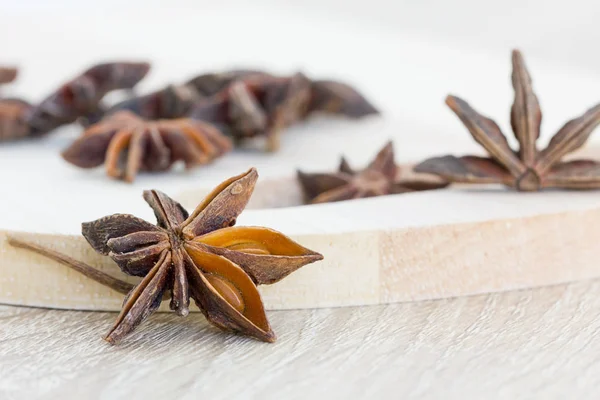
(409, 247)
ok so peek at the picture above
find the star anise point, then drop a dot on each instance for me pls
(379, 178)
(527, 169)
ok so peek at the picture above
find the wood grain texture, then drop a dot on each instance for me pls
(360, 268)
(540, 343)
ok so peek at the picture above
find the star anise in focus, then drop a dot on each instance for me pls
(128, 144)
(527, 169)
(81, 96)
(379, 178)
(201, 256)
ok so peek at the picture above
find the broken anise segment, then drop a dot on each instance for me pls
(201, 256)
(149, 145)
(527, 169)
(379, 178)
(81, 96)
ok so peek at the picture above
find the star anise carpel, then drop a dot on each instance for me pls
(148, 145)
(7, 74)
(379, 178)
(12, 111)
(199, 255)
(527, 169)
(12, 114)
(338, 98)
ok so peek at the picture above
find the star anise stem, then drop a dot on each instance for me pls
(83, 268)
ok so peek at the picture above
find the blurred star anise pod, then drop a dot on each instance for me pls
(257, 105)
(81, 97)
(249, 103)
(176, 101)
(127, 144)
(379, 178)
(263, 105)
(338, 98)
(12, 111)
(12, 114)
(201, 256)
(7, 74)
(527, 169)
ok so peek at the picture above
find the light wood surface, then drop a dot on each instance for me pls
(420, 246)
(540, 343)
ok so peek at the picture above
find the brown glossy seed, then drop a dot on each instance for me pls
(227, 291)
(258, 252)
(249, 248)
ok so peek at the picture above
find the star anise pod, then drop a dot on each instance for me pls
(250, 103)
(12, 111)
(173, 101)
(260, 104)
(257, 105)
(334, 97)
(201, 256)
(527, 169)
(176, 101)
(7, 75)
(12, 114)
(81, 96)
(148, 145)
(212, 83)
(379, 178)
